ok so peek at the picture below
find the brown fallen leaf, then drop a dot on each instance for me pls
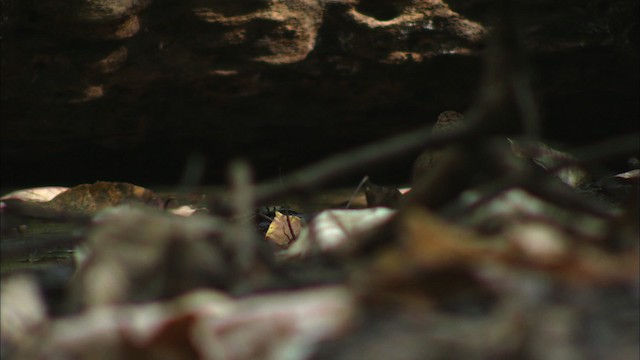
(79, 201)
(544, 247)
(284, 325)
(430, 263)
(90, 198)
(435, 262)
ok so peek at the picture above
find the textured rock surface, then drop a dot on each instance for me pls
(129, 89)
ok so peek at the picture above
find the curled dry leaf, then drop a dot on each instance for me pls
(517, 205)
(331, 229)
(548, 158)
(631, 174)
(284, 229)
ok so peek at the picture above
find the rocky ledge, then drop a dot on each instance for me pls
(132, 89)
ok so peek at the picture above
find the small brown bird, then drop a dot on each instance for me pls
(426, 162)
(382, 195)
(539, 153)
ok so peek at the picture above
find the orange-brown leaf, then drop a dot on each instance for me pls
(284, 229)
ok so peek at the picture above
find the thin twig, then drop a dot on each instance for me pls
(364, 180)
(358, 159)
(605, 149)
(15, 249)
(293, 236)
(243, 204)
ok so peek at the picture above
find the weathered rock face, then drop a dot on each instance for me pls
(128, 89)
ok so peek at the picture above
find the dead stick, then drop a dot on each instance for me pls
(605, 149)
(243, 204)
(362, 157)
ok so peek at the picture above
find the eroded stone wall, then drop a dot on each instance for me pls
(128, 90)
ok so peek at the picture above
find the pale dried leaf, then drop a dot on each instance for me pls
(539, 242)
(277, 326)
(111, 332)
(547, 158)
(520, 205)
(183, 210)
(632, 174)
(39, 194)
(128, 245)
(203, 324)
(22, 309)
